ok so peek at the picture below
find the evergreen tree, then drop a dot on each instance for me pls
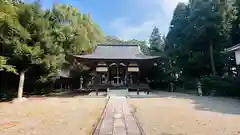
(156, 41)
(236, 23)
(35, 39)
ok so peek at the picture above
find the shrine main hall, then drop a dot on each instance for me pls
(118, 66)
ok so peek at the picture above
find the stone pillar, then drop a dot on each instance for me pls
(81, 82)
(97, 91)
(171, 87)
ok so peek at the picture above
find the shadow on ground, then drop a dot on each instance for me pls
(68, 94)
(205, 103)
(75, 93)
(59, 94)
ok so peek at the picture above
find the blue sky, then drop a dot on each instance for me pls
(126, 19)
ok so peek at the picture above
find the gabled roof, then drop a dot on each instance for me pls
(233, 48)
(116, 52)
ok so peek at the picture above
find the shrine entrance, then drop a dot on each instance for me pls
(117, 66)
(117, 74)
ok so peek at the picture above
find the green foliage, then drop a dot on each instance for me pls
(114, 40)
(196, 38)
(49, 35)
(156, 41)
(161, 73)
(235, 31)
(74, 31)
(220, 86)
(38, 41)
(9, 23)
(199, 32)
(4, 66)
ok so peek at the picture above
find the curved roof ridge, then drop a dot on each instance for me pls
(117, 44)
(117, 51)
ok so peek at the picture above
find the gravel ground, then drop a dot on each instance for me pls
(181, 114)
(51, 116)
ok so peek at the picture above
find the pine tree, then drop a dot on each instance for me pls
(156, 41)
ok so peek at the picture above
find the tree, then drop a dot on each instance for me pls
(156, 41)
(41, 40)
(114, 40)
(36, 49)
(74, 31)
(235, 31)
(177, 45)
(209, 24)
(196, 38)
(77, 31)
(5, 66)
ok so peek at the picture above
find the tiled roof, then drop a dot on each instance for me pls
(116, 51)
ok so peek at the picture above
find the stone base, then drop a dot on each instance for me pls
(19, 100)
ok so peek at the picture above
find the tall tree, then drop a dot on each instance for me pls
(235, 24)
(34, 38)
(196, 38)
(78, 33)
(37, 48)
(156, 41)
(177, 45)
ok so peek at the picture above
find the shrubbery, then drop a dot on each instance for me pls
(221, 86)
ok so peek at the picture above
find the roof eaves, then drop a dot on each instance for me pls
(233, 48)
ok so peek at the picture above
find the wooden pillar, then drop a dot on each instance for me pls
(117, 74)
(98, 82)
(108, 76)
(138, 75)
(126, 74)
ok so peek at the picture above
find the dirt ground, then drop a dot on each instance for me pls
(51, 116)
(180, 114)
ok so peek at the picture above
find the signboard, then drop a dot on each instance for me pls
(133, 64)
(101, 69)
(133, 69)
(237, 56)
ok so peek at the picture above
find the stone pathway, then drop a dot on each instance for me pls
(117, 119)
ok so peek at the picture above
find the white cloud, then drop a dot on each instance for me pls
(152, 16)
(127, 31)
(169, 5)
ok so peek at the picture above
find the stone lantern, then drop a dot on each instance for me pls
(199, 88)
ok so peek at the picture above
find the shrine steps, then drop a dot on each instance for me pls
(117, 92)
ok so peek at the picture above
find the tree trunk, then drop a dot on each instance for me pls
(212, 58)
(21, 83)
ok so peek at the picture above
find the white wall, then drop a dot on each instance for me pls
(237, 55)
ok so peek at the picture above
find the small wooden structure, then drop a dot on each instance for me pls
(236, 50)
(118, 66)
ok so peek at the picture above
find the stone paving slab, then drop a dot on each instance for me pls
(117, 119)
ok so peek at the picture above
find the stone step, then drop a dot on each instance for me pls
(118, 92)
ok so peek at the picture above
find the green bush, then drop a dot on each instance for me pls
(221, 86)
